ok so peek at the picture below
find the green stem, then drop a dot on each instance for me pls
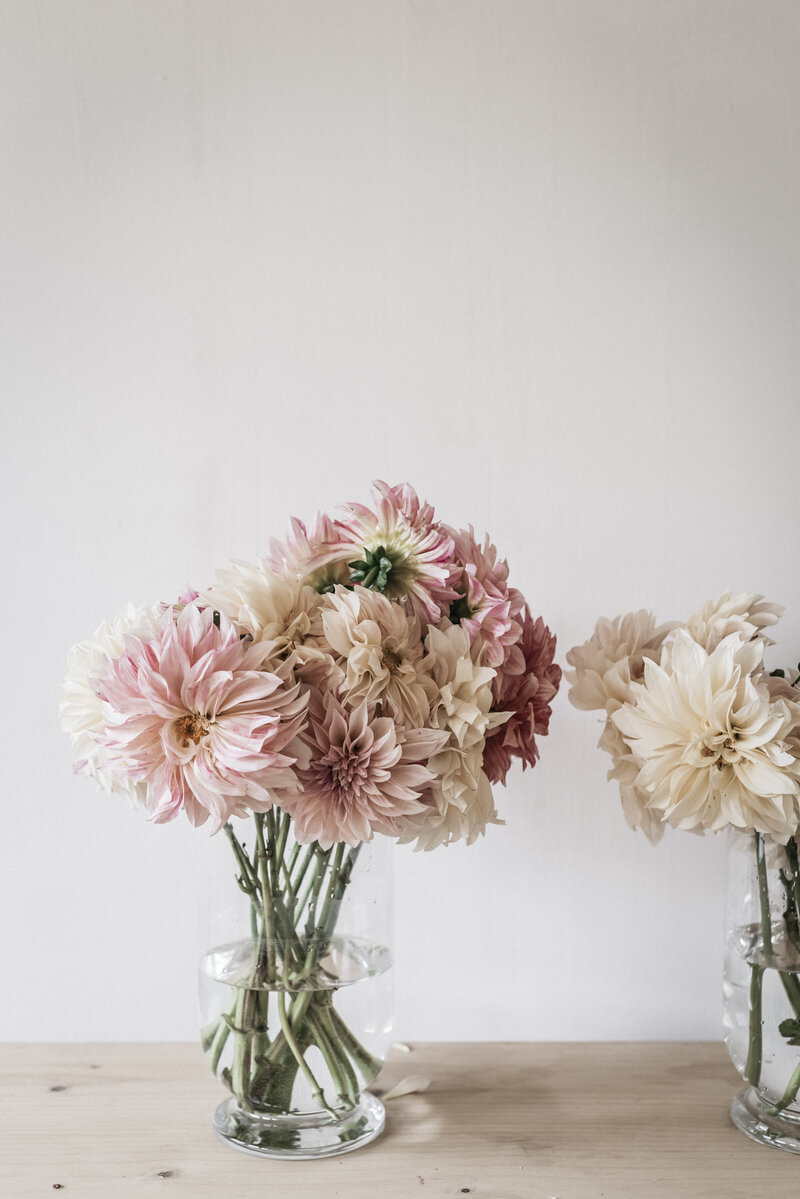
(218, 1043)
(266, 898)
(792, 988)
(367, 1064)
(299, 1057)
(763, 895)
(323, 1015)
(241, 1026)
(752, 1070)
(791, 885)
(311, 894)
(791, 850)
(282, 834)
(790, 1094)
(332, 1060)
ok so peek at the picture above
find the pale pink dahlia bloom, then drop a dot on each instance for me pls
(364, 773)
(527, 697)
(487, 607)
(416, 550)
(191, 713)
(319, 553)
(378, 647)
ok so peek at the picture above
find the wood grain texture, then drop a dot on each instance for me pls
(499, 1121)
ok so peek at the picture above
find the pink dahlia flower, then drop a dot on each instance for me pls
(402, 550)
(487, 608)
(319, 554)
(365, 772)
(528, 697)
(191, 714)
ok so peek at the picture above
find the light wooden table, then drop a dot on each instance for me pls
(507, 1121)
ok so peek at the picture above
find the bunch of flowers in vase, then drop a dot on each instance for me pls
(368, 681)
(703, 737)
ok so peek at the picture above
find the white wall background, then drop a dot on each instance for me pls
(540, 259)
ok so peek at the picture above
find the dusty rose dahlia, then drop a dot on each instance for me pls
(364, 773)
(191, 713)
(486, 607)
(528, 697)
(402, 550)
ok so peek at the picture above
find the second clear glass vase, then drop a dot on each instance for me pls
(762, 987)
(295, 987)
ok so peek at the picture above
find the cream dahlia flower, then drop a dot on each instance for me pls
(363, 774)
(612, 659)
(81, 707)
(441, 824)
(277, 610)
(459, 798)
(191, 713)
(625, 771)
(747, 614)
(380, 651)
(605, 669)
(713, 745)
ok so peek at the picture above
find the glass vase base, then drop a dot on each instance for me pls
(299, 1137)
(753, 1115)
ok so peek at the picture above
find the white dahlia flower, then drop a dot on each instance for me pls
(715, 747)
(81, 707)
(279, 609)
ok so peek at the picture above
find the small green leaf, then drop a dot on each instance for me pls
(790, 1029)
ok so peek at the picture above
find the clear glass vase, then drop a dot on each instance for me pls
(762, 987)
(295, 987)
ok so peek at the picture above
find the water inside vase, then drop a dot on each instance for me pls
(779, 983)
(339, 1014)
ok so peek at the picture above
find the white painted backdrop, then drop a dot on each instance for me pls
(541, 259)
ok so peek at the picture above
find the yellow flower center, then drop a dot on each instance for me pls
(391, 660)
(191, 727)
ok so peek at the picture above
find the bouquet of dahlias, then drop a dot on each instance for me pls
(701, 736)
(374, 675)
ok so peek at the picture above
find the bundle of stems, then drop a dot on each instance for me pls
(285, 1004)
(790, 881)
